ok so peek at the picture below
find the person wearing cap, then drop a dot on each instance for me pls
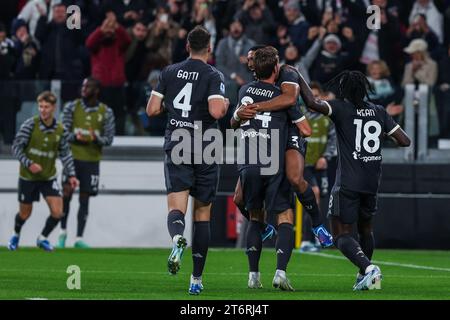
(332, 60)
(422, 69)
(298, 26)
(27, 51)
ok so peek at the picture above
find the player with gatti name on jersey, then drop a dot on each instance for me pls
(360, 128)
(193, 94)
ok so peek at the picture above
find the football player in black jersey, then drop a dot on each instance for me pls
(193, 94)
(267, 133)
(360, 127)
(288, 81)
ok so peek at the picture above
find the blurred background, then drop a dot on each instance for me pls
(407, 60)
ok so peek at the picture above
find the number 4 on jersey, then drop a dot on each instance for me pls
(183, 100)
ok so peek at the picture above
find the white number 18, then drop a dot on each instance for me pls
(368, 136)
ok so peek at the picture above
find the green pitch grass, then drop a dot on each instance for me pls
(141, 274)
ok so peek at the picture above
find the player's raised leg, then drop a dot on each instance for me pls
(295, 164)
(177, 203)
(55, 205)
(22, 216)
(284, 247)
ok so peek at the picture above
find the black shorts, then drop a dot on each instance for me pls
(350, 206)
(317, 178)
(295, 140)
(200, 179)
(88, 173)
(29, 190)
(270, 192)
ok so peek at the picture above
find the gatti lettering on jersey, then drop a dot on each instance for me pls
(186, 87)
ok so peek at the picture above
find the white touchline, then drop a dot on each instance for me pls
(387, 263)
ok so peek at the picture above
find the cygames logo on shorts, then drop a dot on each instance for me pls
(242, 147)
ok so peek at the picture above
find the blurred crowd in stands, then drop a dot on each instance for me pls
(125, 44)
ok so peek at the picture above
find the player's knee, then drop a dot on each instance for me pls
(24, 215)
(57, 214)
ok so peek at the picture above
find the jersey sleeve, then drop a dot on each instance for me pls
(334, 111)
(295, 114)
(160, 89)
(390, 126)
(288, 75)
(216, 88)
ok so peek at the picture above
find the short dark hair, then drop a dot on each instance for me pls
(265, 60)
(95, 81)
(199, 39)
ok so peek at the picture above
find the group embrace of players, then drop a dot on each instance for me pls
(268, 110)
(268, 105)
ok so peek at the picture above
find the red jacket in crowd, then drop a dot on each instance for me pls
(108, 56)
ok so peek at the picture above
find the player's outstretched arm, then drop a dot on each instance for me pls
(288, 97)
(400, 137)
(304, 127)
(154, 105)
(311, 102)
(242, 113)
(218, 107)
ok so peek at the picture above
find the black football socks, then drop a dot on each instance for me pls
(175, 223)
(50, 224)
(351, 249)
(254, 245)
(66, 210)
(83, 211)
(200, 243)
(308, 200)
(18, 224)
(284, 245)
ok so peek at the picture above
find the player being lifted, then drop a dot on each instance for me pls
(360, 127)
(193, 93)
(288, 81)
(259, 190)
(91, 127)
(40, 140)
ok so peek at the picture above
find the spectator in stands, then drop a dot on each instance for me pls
(162, 34)
(433, 16)
(333, 60)
(442, 94)
(422, 69)
(385, 91)
(231, 59)
(108, 45)
(34, 9)
(297, 25)
(60, 47)
(135, 57)
(128, 12)
(8, 97)
(202, 15)
(302, 63)
(257, 20)
(419, 29)
(315, 9)
(27, 51)
(384, 43)
(7, 55)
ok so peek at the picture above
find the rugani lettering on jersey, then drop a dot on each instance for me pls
(260, 92)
